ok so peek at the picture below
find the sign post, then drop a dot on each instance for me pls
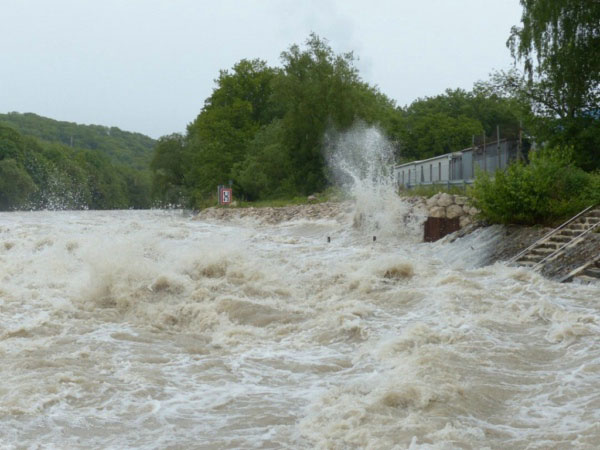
(225, 195)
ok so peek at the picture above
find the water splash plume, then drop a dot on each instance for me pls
(361, 162)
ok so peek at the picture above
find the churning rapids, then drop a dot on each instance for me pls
(153, 330)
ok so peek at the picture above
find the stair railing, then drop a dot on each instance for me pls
(568, 278)
(558, 250)
(556, 230)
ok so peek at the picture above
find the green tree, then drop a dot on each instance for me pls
(547, 190)
(447, 122)
(122, 147)
(263, 128)
(218, 138)
(320, 89)
(559, 44)
(15, 185)
(169, 165)
(265, 172)
(11, 144)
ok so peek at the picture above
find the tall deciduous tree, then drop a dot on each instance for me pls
(218, 138)
(447, 122)
(320, 89)
(559, 43)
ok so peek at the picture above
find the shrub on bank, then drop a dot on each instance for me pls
(545, 191)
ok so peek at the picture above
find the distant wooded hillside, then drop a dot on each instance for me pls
(38, 174)
(131, 149)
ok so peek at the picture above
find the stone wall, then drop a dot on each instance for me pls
(451, 206)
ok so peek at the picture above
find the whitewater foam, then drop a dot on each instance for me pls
(147, 329)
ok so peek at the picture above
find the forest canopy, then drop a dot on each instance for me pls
(37, 174)
(122, 147)
(262, 128)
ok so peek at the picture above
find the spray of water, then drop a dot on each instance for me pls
(361, 162)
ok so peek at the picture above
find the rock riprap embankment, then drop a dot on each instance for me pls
(450, 206)
(440, 205)
(273, 215)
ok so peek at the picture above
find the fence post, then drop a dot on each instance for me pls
(498, 147)
(473, 156)
(484, 155)
(520, 144)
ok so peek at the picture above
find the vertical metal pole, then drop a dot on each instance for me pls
(484, 155)
(498, 147)
(520, 144)
(472, 156)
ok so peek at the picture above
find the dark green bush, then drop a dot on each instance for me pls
(545, 191)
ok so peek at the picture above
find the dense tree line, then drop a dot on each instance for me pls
(558, 43)
(35, 174)
(263, 127)
(122, 147)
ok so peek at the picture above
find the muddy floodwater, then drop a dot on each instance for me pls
(149, 329)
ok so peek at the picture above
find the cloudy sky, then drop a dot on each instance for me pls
(148, 65)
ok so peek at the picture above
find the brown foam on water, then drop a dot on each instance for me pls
(238, 335)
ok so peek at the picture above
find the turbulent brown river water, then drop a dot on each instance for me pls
(149, 329)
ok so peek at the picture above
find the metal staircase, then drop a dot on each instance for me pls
(555, 243)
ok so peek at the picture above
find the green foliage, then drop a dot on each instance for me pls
(559, 44)
(122, 147)
(263, 128)
(320, 89)
(41, 175)
(264, 173)
(220, 135)
(15, 185)
(545, 191)
(448, 122)
(169, 167)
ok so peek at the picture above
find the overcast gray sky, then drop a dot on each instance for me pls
(148, 65)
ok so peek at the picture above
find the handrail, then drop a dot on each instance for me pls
(556, 230)
(579, 269)
(558, 250)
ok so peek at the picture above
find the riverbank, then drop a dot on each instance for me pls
(273, 215)
(510, 239)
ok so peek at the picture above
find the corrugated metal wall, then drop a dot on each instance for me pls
(458, 167)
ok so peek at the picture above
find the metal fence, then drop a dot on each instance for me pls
(458, 168)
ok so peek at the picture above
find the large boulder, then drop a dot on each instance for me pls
(465, 220)
(445, 200)
(453, 211)
(460, 200)
(437, 211)
(473, 211)
(432, 201)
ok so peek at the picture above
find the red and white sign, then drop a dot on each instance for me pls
(226, 196)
